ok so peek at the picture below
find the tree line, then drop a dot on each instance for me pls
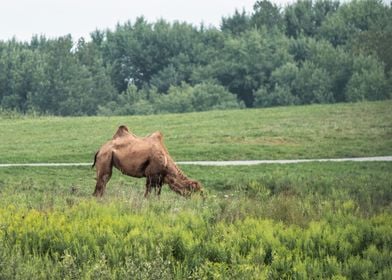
(308, 52)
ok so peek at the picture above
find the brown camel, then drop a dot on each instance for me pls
(141, 157)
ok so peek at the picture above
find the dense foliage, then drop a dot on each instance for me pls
(318, 51)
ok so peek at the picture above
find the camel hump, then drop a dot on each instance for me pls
(157, 135)
(121, 131)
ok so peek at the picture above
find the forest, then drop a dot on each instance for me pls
(308, 52)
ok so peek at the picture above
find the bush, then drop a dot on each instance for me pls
(279, 96)
(201, 97)
(210, 96)
(179, 99)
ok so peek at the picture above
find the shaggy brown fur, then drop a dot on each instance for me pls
(141, 157)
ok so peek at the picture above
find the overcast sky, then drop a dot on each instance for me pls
(53, 18)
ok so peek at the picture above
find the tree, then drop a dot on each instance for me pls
(298, 18)
(165, 78)
(305, 17)
(285, 75)
(313, 85)
(337, 62)
(99, 88)
(69, 80)
(21, 72)
(246, 62)
(368, 81)
(377, 40)
(266, 14)
(138, 52)
(312, 51)
(236, 24)
(353, 18)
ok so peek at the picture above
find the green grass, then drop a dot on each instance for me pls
(367, 184)
(318, 131)
(301, 221)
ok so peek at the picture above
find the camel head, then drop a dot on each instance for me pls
(193, 186)
(183, 186)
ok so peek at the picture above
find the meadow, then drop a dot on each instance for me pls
(317, 131)
(301, 221)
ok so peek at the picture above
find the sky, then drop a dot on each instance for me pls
(53, 18)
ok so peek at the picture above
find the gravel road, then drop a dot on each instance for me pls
(215, 163)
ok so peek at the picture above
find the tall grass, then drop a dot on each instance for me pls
(113, 240)
(320, 220)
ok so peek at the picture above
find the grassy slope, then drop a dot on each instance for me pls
(326, 131)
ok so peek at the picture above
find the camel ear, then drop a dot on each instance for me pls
(121, 131)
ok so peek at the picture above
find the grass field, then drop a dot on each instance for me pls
(343, 130)
(300, 221)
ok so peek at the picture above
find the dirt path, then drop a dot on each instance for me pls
(215, 163)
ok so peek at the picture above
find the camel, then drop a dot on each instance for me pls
(141, 157)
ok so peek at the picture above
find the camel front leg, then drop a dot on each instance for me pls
(101, 184)
(104, 166)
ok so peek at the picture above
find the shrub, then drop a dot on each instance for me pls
(279, 96)
(179, 99)
(110, 240)
(201, 97)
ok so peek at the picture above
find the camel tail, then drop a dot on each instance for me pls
(95, 159)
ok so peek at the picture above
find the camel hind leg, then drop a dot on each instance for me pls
(104, 168)
(154, 173)
(159, 185)
(149, 185)
(151, 182)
